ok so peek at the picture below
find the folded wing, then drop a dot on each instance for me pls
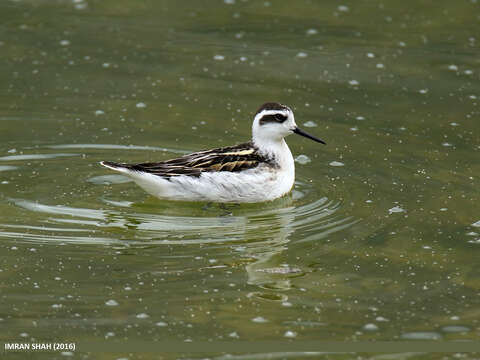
(233, 159)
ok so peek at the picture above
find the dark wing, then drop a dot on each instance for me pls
(234, 158)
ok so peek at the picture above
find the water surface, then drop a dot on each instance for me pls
(378, 241)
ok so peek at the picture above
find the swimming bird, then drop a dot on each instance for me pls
(261, 169)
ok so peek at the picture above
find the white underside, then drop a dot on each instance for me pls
(255, 185)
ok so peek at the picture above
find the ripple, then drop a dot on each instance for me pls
(117, 147)
(422, 335)
(166, 223)
(109, 179)
(8, 167)
(35, 156)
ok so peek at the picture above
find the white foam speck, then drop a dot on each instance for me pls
(302, 159)
(336, 163)
(290, 334)
(310, 124)
(99, 112)
(219, 57)
(142, 316)
(476, 223)
(141, 105)
(312, 31)
(161, 324)
(64, 42)
(302, 55)
(343, 8)
(396, 209)
(360, 118)
(259, 319)
(423, 91)
(354, 82)
(370, 327)
(453, 67)
(111, 303)
(229, 2)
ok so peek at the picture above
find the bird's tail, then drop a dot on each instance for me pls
(123, 168)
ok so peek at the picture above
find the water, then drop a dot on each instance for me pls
(378, 241)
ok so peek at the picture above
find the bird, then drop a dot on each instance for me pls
(259, 170)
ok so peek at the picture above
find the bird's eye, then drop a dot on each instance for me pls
(280, 117)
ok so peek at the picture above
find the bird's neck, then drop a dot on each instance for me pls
(276, 149)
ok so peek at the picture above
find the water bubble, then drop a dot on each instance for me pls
(302, 159)
(453, 67)
(310, 124)
(142, 316)
(370, 327)
(336, 163)
(141, 105)
(396, 209)
(259, 320)
(64, 42)
(219, 57)
(290, 334)
(312, 31)
(99, 112)
(354, 82)
(111, 303)
(302, 55)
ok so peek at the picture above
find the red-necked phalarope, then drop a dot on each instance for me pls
(259, 170)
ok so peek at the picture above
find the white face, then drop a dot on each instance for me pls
(273, 124)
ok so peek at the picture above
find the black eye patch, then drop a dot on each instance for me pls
(276, 118)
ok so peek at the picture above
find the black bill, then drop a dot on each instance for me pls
(299, 131)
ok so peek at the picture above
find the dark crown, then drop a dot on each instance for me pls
(272, 106)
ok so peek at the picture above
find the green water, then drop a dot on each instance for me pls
(378, 241)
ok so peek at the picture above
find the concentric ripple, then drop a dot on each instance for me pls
(104, 216)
